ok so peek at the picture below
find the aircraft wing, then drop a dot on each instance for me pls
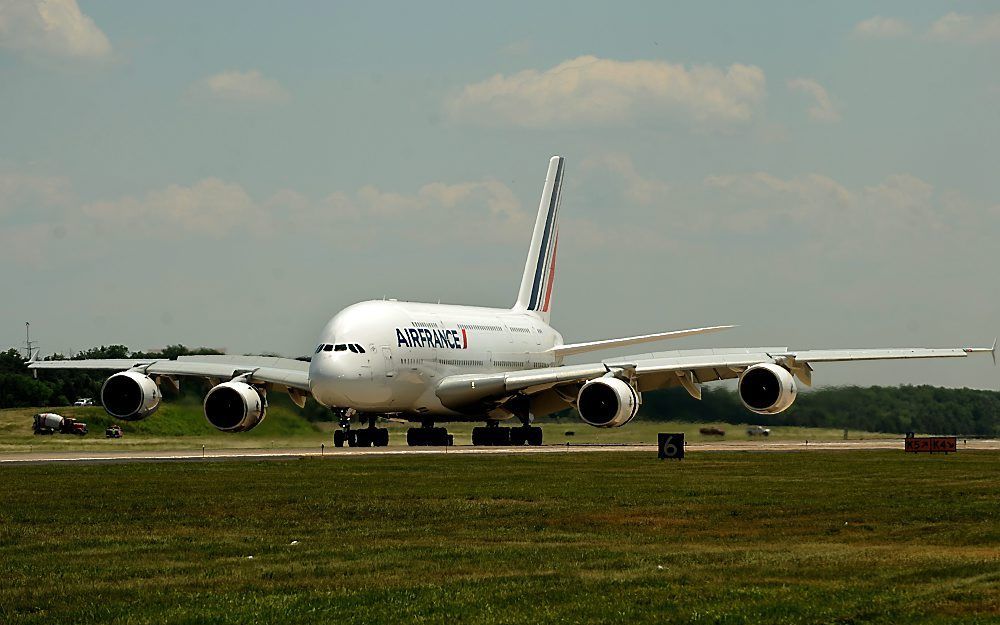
(686, 368)
(281, 372)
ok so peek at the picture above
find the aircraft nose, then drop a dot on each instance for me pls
(324, 371)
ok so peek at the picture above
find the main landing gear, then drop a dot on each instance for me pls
(429, 436)
(496, 436)
(370, 436)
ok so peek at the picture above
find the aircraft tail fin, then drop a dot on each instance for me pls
(539, 270)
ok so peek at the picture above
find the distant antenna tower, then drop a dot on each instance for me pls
(27, 340)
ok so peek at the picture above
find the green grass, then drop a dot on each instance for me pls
(181, 425)
(823, 537)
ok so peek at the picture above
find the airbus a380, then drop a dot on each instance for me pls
(435, 363)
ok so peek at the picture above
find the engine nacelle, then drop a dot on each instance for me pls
(234, 407)
(130, 395)
(607, 402)
(767, 389)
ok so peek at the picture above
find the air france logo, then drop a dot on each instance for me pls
(424, 337)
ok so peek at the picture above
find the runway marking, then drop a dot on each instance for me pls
(85, 457)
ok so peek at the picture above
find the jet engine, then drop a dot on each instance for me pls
(130, 395)
(767, 388)
(234, 407)
(607, 402)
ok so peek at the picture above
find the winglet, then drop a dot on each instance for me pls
(978, 350)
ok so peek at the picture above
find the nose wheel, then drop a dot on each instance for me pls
(371, 436)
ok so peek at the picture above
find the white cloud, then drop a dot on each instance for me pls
(901, 210)
(879, 27)
(54, 28)
(474, 211)
(29, 192)
(822, 108)
(963, 28)
(638, 189)
(950, 28)
(591, 90)
(212, 207)
(236, 86)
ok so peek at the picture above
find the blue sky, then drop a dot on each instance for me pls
(231, 174)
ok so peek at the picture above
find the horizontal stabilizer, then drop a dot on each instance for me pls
(580, 348)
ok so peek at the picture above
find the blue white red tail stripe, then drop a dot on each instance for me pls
(539, 269)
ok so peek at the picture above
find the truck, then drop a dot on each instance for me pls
(758, 430)
(84, 401)
(50, 423)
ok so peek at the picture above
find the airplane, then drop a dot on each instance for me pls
(434, 363)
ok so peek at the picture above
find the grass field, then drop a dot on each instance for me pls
(823, 537)
(181, 425)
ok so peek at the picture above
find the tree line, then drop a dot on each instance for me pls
(874, 409)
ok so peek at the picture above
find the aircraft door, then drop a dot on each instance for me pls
(389, 362)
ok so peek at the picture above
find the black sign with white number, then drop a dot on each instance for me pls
(671, 445)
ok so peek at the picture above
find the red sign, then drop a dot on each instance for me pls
(932, 444)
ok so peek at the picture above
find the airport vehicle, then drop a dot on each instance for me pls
(758, 430)
(435, 363)
(113, 431)
(84, 401)
(712, 431)
(49, 423)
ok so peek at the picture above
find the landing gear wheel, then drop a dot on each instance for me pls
(518, 436)
(534, 436)
(492, 435)
(352, 438)
(339, 437)
(382, 437)
(480, 436)
(428, 437)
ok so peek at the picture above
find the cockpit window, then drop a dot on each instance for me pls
(352, 347)
(319, 349)
(340, 347)
(361, 350)
(328, 348)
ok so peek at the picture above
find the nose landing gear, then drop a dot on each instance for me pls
(371, 436)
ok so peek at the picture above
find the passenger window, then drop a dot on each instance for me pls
(340, 347)
(328, 348)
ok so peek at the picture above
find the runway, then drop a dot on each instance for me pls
(208, 455)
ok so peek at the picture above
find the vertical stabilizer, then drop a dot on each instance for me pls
(540, 268)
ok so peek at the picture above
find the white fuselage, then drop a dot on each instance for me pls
(389, 356)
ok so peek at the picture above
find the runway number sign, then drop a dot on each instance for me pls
(670, 445)
(932, 444)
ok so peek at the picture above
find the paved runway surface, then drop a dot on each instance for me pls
(102, 456)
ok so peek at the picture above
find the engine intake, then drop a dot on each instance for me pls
(130, 395)
(607, 402)
(234, 407)
(767, 389)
